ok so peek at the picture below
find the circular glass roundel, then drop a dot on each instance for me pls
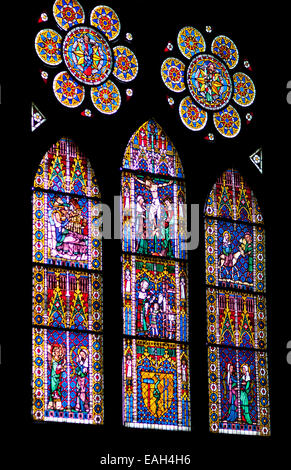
(193, 117)
(226, 49)
(125, 64)
(105, 19)
(87, 55)
(244, 89)
(190, 41)
(48, 46)
(106, 97)
(227, 122)
(209, 82)
(69, 92)
(68, 13)
(172, 72)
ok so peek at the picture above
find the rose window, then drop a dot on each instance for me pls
(211, 88)
(88, 70)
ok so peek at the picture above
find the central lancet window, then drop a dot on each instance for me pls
(155, 284)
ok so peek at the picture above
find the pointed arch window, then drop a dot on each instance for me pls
(236, 309)
(155, 284)
(67, 330)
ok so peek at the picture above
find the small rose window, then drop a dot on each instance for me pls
(88, 70)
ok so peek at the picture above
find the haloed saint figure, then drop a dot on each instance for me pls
(57, 360)
(81, 371)
(58, 378)
(239, 394)
(85, 53)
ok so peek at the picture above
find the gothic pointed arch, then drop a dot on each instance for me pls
(156, 377)
(67, 372)
(236, 309)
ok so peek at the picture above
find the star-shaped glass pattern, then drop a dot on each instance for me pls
(88, 69)
(212, 90)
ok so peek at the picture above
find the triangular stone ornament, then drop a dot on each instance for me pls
(37, 118)
(257, 159)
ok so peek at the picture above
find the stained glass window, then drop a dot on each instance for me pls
(89, 71)
(210, 80)
(67, 289)
(236, 309)
(156, 391)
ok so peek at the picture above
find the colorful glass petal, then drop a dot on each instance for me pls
(244, 89)
(106, 20)
(69, 92)
(192, 117)
(48, 46)
(190, 41)
(172, 72)
(68, 13)
(227, 122)
(87, 55)
(226, 49)
(126, 65)
(106, 97)
(209, 82)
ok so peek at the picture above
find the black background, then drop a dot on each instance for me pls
(262, 37)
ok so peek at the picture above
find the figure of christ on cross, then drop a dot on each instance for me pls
(154, 214)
